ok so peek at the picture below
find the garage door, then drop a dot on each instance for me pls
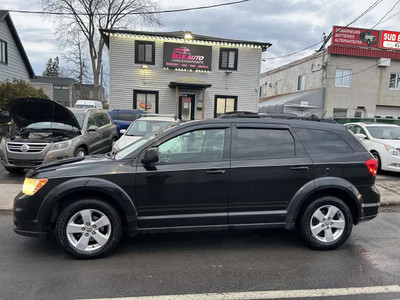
(390, 112)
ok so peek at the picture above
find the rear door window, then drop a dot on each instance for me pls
(321, 142)
(252, 143)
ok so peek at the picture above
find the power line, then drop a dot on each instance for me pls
(357, 72)
(386, 14)
(371, 7)
(390, 17)
(132, 13)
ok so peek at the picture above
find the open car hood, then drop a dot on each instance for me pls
(26, 111)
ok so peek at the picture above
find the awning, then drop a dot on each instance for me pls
(189, 83)
(299, 103)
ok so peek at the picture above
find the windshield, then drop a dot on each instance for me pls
(144, 127)
(385, 132)
(50, 125)
(80, 118)
(137, 144)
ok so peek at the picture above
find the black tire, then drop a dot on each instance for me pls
(378, 159)
(325, 240)
(13, 170)
(113, 141)
(109, 234)
(80, 150)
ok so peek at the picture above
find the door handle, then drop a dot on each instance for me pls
(301, 168)
(215, 172)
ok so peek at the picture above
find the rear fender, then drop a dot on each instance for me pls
(317, 186)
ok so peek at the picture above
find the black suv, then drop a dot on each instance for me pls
(236, 172)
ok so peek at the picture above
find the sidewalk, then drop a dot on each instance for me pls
(389, 189)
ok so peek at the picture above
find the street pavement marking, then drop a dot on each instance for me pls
(310, 293)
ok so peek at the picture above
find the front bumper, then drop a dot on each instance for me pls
(26, 210)
(31, 160)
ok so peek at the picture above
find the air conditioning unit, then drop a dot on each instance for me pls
(383, 62)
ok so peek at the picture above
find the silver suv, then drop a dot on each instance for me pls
(50, 131)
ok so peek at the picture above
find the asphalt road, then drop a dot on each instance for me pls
(187, 263)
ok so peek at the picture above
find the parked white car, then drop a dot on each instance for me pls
(382, 140)
(88, 104)
(146, 124)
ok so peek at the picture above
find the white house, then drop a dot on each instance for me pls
(190, 75)
(14, 63)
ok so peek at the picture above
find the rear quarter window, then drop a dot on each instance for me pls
(322, 142)
(253, 143)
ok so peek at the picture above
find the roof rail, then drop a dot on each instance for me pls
(247, 114)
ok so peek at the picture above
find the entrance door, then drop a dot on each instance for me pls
(186, 107)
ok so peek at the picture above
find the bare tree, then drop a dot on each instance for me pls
(76, 57)
(88, 16)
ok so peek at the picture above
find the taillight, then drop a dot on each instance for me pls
(372, 166)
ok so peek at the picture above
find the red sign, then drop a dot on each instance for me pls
(355, 37)
(390, 40)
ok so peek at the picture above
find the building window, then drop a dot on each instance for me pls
(3, 52)
(228, 59)
(343, 78)
(224, 104)
(144, 52)
(340, 113)
(85, 95)
(57, 87)
(301, 83)
(145, 100)
(394, 83)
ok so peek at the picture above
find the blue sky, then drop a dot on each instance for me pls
(288, 24)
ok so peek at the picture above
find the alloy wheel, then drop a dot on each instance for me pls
(327, 223)
(88, 230)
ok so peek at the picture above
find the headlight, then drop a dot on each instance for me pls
(392, 150)
(3, 143)
(61, 145)
(32, 185)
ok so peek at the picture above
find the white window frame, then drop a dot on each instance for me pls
(396, 82)
(301, 83)
(343, 77)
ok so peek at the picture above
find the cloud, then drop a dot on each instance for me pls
(289, 25)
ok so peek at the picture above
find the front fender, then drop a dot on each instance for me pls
(315, 186)
(112, 190)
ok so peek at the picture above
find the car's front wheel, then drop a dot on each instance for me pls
(80, 151)
(88, 228)
(326, 223)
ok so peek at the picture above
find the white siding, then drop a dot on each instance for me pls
(15, 67)
(126, 76)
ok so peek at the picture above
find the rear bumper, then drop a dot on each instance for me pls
(370, 202)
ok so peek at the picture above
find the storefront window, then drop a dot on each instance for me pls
(144, 52)
(146, 101)
(224, 104)
(228, 59)
(340, 113)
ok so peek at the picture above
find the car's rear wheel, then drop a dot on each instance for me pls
(326, 223)
(80, 151)
(89, 228)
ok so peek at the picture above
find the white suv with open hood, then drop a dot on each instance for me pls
(49, 131)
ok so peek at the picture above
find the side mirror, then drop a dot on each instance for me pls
(361, 136)
(150, 156)
(122, 131)
(92, 128)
